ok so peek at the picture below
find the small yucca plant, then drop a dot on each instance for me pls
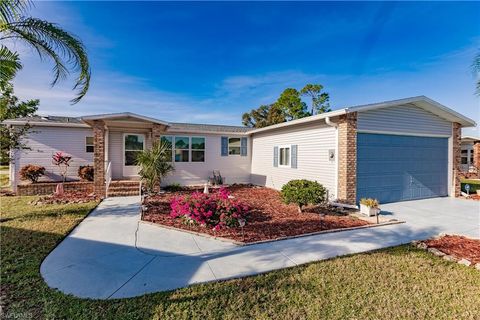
(155, 164)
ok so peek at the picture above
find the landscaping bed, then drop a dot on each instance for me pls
(66, 198)
(268, 217)
(458, 247)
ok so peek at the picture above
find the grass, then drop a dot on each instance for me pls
(4, 180)
(397, 283)
(4, 167)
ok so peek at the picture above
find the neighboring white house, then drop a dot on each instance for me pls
(397, 150)
(468, 153)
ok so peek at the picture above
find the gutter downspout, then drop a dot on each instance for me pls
(329, 122)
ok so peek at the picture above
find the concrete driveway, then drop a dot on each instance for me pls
(112, 255)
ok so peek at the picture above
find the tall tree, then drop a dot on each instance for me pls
(11, 107)
(476, 70)
(292, 105)
(65, 50)
(320, 100)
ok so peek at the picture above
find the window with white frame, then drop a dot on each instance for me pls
(89, 144)
(464, 159)
(234, 145)
(168, 140)
(198, 149)
(182, 149)
(284, 155)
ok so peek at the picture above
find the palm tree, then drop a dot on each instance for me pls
(476, 70)
(155, 164)
(49, 41)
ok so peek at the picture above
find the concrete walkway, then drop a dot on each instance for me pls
(111, 255)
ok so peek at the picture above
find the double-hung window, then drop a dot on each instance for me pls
(168, 140)
(284, 154)
(182, 149)
(198, 149)
(234, 146)
(89, 144)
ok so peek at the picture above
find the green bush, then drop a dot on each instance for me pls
(32, 172)
(173, 187)
(303, 192)
(86, 173)
(474, 185)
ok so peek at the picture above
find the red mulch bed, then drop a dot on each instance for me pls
(457, 246)
(269, 217)
(67, 197)
(475, 197)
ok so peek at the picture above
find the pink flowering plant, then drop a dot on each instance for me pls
(215, 210)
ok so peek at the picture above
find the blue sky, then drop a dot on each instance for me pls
(210, 62)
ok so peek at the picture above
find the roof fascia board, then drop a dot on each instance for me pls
(45, 124)
(113, 116)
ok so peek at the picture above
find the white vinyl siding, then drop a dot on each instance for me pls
(234, 169)
(405, 119)
(313, 142)
(44, 142)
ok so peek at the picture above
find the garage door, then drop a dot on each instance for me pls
(396, 168)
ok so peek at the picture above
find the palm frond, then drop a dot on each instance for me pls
(13, 10)
(9, 64)
(50, 41)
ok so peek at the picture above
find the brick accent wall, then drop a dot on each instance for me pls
(157, 131)
(476, 155)
(456, 153)
(99, 157)
(44, 188)
(347, 158)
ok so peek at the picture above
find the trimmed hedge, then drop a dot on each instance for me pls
(303, 192)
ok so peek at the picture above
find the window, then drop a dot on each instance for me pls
(284, 156)
(89, 144)
(464, 159)
(198, 149)
(234, 146)
(133, 146)
(168, 140)
(182, 149)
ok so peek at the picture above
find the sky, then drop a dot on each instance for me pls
(209, 62)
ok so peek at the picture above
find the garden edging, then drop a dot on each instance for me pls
(239, 243)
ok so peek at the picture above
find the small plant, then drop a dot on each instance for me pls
(62, 161)
(86, 173)
(32, 172)
(303, 192)
(369, 202)
(155, 163)
(214, 210)
(173, 187)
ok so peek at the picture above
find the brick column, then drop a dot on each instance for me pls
(476, 156)
(456, 158)
(157, 130)
(99, 157)
(347, 158)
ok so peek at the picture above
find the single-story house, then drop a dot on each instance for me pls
(393, 151)
(470, 160)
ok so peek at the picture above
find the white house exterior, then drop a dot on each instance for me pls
(470, 154)
(396, 150)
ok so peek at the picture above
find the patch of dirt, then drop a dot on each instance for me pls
(269, 217)
(457, 246)
(67, 197)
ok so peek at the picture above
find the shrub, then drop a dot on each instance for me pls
(173, 187)
(303, 192)
(155, 164)
(32, 172)
(369, 202)
(62, 161)
(86, 173)
(214, 210)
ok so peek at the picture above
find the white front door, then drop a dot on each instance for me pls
(133, 143)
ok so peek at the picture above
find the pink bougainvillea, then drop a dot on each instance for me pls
(216, 210)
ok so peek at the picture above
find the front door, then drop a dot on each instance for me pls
(133, 144)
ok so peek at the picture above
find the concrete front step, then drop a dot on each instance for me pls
(123, 193)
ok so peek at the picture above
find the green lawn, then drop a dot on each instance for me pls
(4, 167)
(397, 283)
(4, 180)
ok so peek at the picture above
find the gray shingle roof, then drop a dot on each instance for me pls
(50, 119)
(207, 127)
(173, 125)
